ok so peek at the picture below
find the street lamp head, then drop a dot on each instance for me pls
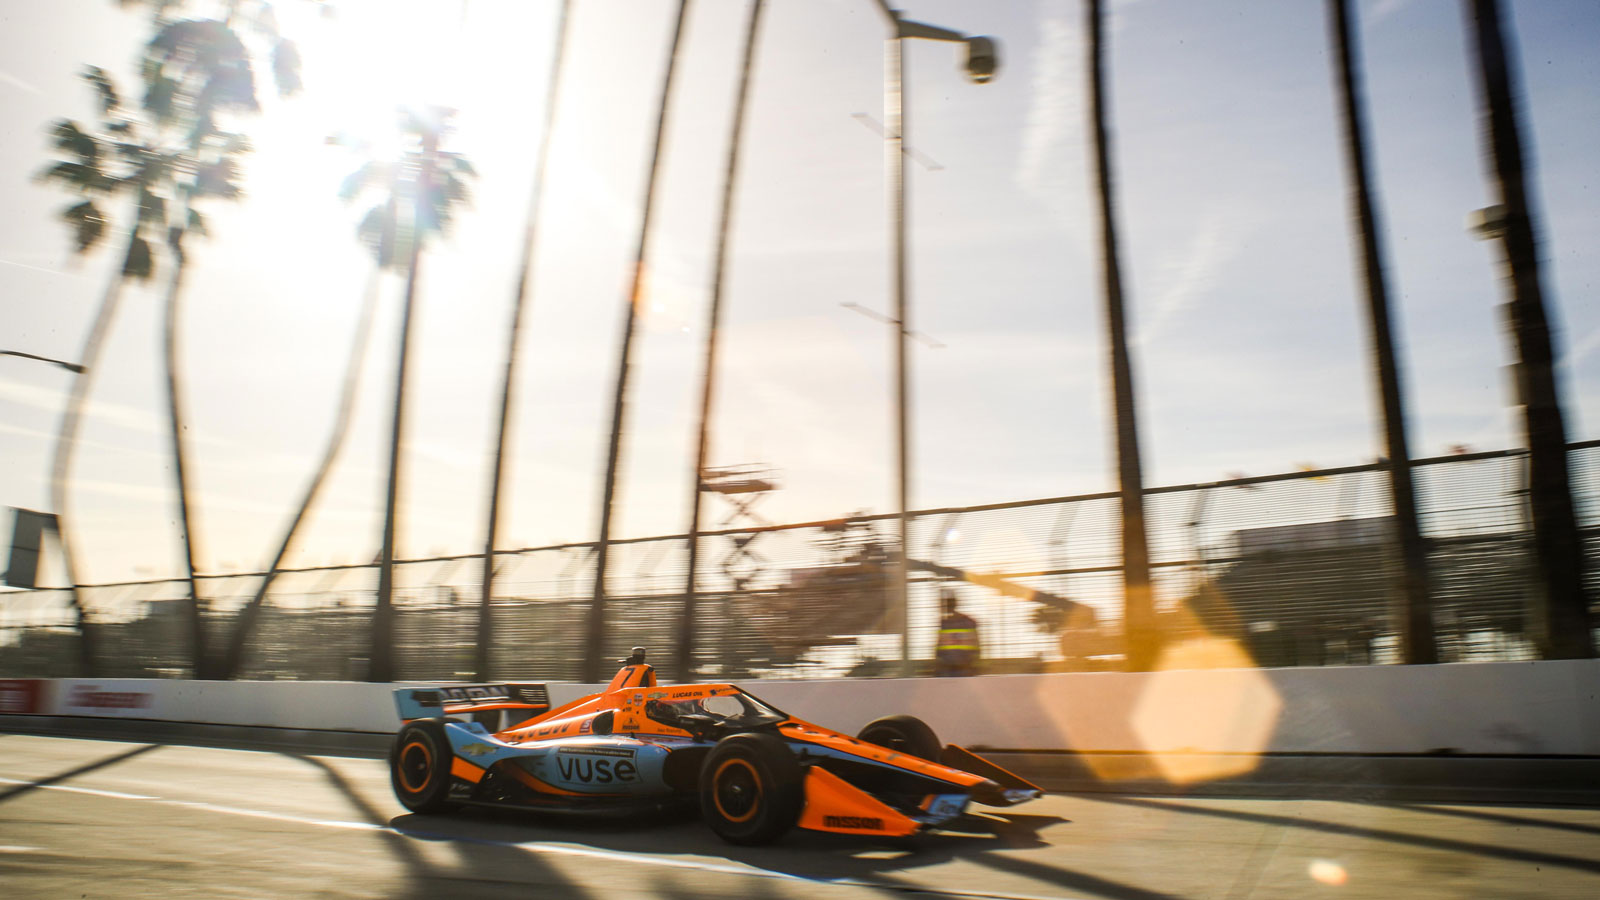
(983, 59)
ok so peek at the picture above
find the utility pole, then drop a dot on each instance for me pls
(1141, 640)
(1416, 624)
(1561, 614)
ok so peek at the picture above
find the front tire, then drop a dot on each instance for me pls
(750, 789)
(903, 734)
(419, 767)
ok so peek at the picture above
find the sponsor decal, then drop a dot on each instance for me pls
(475, 694)
(476, 750)
(678, 694)
(586, 726)
(614, 752)
(19, 696)
(655, 695)
(863, 822)
(596, 771)
(90, 696)
(460, 790)
(948, 805)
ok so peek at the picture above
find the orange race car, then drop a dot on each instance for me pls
(756, 771)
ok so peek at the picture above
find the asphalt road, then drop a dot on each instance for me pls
(99, 819)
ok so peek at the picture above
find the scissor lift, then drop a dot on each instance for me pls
(743, 487)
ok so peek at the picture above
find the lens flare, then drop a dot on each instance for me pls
(1328, 872)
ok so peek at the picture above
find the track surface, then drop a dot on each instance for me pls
(99, 819)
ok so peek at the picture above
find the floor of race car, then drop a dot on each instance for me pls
(85, 818)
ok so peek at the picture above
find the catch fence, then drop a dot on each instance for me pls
(1299, 568)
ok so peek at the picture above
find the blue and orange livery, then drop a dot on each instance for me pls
(754, 770)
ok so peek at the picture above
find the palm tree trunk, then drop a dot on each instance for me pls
(67, 444)
(1563, 625)
(595, 624)
(199, 659)
(243, 629)
(381, 665)
(1141, 641)
(686, 625)
(518, 307)
(1416, 629)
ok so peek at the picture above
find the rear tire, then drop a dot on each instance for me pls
(751, 789)
(419, 767)
(903, 734)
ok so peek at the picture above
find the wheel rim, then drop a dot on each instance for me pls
(415, 766)
(736, 789)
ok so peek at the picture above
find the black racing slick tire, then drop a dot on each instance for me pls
(419, 767)
(751, 789)
(903, 734)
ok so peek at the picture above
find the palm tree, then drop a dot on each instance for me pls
(101, 163)
(518, 305)
(244, 626)
(431, 183)
(194, 71)
(1142, 642)
(1564, 624)
(686, 625)
(594, 625)
(1417, 623)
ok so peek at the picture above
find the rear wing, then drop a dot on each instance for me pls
(423, 703)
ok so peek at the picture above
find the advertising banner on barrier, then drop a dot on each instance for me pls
(23, 696)
(132, 699)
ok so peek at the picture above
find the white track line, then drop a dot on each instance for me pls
(527, 846)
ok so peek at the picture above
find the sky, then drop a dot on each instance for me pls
(1249, 345)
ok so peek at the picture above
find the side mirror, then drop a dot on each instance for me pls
(983, 59)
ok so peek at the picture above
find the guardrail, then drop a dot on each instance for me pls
(1530, 709)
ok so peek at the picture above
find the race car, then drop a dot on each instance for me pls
(755, 771)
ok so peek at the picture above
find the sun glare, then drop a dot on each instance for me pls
(376, 59)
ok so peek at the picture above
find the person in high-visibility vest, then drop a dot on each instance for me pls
(958, 649)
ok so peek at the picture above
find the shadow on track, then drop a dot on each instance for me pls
(81, 770)
(1484, 815)
(476, 872)
(678, 842)
(1377, 834)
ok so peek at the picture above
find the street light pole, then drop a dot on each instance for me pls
(981, 64)
(895, 176)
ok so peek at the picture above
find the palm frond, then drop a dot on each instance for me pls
(286, 67)
(372, 173)
(79, 177)
(68, 137)
(152, 209)
(88, 225)
(139, 263)
(160, 92)
(109, 101)
(218, 179)
(382, 233)
(197, 67)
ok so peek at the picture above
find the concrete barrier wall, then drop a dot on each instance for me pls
(1515, 709)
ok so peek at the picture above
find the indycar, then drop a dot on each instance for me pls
(755, 771)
